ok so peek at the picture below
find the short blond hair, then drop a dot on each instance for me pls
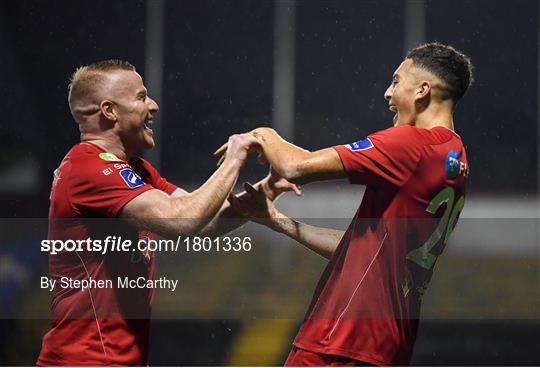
(87, 79)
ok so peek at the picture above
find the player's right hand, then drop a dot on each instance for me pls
(237, 148)
(255, 206)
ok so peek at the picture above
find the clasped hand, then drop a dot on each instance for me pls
(256, 202)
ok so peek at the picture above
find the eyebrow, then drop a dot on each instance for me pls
(142, 93)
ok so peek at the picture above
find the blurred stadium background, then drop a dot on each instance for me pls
(316, 71)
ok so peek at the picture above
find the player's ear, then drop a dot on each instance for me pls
(424, 88)
(108, 110)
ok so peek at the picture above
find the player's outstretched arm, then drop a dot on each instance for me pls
(187, 214)
(259, 208)
(321, 240)
(297, 164)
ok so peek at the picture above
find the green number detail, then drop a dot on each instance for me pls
(455, 212)
(422, 256)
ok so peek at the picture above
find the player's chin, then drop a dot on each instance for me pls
(148, 139)
(395, 119)
(148, 142)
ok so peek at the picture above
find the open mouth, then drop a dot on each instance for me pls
(148, 125)
(393, 108)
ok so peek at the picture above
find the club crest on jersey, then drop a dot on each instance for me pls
(451, 164)
(364, 144)
(131, 178)
(108, 156)
(454, 167)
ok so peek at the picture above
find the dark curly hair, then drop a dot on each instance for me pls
(450, 65)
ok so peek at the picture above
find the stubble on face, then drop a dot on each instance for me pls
(128, 93)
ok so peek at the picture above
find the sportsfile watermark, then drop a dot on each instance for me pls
(489, 269)
(114, 243)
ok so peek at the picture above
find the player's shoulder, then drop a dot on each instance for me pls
(415, 136)
(438, 135)
(395, 133)
(397, 136)
(91, 167)
(89, 153)
(87, 161)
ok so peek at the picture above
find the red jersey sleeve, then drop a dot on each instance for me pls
(386, 157)
(102, 188)
(152, 176)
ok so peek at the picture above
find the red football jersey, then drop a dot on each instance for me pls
(98, 326)
(367, 303)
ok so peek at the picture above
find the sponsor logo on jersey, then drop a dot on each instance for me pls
(131, 178)
(121, 166)
(454, 167)
(364, 144)
(107, 171)
(108, 156)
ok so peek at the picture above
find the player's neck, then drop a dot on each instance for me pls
(108, 145)
(434, 116)
(102, 133)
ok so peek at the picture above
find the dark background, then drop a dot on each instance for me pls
(218, 63)
(218, 80)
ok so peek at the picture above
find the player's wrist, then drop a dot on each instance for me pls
(234, 162)
(262, 131)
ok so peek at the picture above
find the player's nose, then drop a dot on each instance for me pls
(152, 105)
(388, 93)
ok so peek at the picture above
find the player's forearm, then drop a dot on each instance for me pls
(322, 241)
(284, 157)
(201, 206)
